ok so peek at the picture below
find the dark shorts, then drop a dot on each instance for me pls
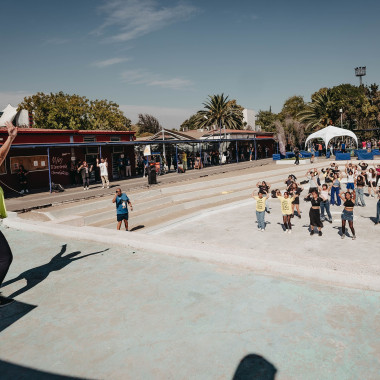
(348, 215)
(121, 217)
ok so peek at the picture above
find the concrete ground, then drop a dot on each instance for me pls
(191, 294)
(96, 311)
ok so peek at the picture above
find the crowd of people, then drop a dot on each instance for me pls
(325, 189)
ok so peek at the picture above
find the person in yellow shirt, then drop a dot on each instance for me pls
(184, 160)
(260, 208)
(286, 209)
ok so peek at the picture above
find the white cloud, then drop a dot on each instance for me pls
(109, 62)
(147, 78)
(130, 19)
(13, 98)
(168, 117)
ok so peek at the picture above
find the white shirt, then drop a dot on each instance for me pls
(324, 194)
(103, 169)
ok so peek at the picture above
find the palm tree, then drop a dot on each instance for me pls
(318, 113)
(220, 111)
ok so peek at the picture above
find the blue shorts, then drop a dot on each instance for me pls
(350, 186)
(121, 217)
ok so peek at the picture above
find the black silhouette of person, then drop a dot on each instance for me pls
(255, 367)
(38, 274)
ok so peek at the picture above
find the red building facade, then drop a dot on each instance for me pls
(35, 149)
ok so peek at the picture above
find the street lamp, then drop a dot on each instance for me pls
(360, 72)
(341, 117)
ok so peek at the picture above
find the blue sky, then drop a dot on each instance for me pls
(166, 57)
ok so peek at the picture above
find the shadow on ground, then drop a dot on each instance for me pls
(13, 371)
(36, 275)
(11, 314)
(255, 367)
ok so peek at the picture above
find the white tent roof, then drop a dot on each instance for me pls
(328, 133)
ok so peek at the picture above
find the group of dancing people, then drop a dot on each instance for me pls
(321, 196)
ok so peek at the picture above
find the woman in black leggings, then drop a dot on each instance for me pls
(5, 251)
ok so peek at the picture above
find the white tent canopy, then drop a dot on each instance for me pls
(330, 132)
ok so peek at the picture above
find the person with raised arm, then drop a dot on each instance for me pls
(6, 256)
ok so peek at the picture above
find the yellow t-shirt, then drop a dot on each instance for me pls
(260, 203)
(286, 205)
(3, 210)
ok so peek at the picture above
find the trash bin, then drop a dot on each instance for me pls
(152, 177)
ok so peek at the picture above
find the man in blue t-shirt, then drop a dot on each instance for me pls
(122, 201)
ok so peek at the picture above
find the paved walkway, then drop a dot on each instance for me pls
(91, 310)
(45, 198)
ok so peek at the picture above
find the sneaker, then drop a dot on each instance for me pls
(22, 192)
(289, 231)
(27, 191)
(5, 301)
(329, 220)
(102, 187)
(108, 187)
(320, 233)
(299, 216)
(353, 237)
(343, 235)
(84, 188)
(88, 188)
(312, 233)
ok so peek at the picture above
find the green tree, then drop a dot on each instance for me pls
(64, 111)
(190, 123)
(319, 111)
(266, 120)
(220, 112)
(107, 115)
(292, 107)
(148, 124)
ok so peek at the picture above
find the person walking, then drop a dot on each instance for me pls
(297, 156)
(314, 213)
(6, 256)
(85, 171)
(286, 209)
(122, 201)
(260, 208)
(103, 166)
(348, 212)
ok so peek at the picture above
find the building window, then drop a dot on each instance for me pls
(88, 139)
(118, 149)
(30, 163)
(3, 168)
(92, 150)
(115, 138)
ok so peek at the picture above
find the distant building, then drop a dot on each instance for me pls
(249, 117)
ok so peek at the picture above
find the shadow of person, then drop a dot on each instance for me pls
(255, 367)
(38, 274)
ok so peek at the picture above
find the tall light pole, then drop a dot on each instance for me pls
(360, 72)
(341, 117)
